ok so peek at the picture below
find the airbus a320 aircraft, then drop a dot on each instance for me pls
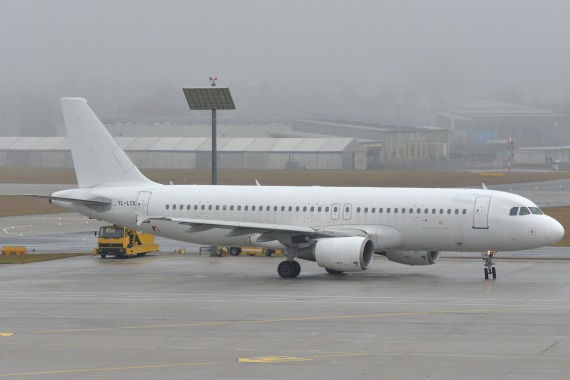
(341, 229)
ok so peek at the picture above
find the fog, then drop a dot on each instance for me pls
(118, 53)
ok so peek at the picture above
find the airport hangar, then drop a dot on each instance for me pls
(195, 153)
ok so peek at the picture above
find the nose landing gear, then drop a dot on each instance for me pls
(489, 264)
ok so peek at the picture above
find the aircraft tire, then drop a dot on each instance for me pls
(332, 271)
(494, 272)
(486, 274)
(288, 269)
(297, 268)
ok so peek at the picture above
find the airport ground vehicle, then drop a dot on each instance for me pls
(123, 242)
(252, 251)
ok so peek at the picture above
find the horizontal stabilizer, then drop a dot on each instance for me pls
(94, 201)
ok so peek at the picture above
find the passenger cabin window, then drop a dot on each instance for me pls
(514, 211)
(167, 207)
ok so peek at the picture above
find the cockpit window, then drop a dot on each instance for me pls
(536, 211)
(514, 211)
(524, 211)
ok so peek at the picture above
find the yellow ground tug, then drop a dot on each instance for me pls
(123, 242)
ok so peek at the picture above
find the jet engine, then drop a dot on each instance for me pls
(343, 254)
(412, 257)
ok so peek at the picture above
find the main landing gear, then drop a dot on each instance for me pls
(489, 264)
(289, 269)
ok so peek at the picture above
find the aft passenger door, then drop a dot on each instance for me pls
(481, 213)
(142, 202)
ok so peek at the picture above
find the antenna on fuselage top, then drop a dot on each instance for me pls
(484, 187)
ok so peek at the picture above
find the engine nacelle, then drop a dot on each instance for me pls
(343, 254)
(413, 257)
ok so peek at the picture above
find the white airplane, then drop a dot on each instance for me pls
(338, 228)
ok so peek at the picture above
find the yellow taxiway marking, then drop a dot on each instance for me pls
(158, 366)
(299, 319)
(6, 334)
(272, 359)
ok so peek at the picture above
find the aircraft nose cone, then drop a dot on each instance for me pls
(554, 231)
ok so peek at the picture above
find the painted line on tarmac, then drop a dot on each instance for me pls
(115, 369)
(280, 320)
(272, 359)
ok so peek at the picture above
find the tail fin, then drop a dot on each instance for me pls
(98, 159)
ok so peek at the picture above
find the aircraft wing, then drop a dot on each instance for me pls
(269, 231)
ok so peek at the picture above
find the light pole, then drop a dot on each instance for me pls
(210, 98)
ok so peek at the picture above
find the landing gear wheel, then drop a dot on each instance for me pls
(489, 264)
(289, 269)
(332, 271)
(297, 268)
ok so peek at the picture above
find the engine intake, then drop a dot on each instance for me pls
(343, 254)
(413, 257)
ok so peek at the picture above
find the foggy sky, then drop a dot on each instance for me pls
(474, 46)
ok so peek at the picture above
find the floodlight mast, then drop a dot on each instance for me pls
(214, 142)
(211, 98)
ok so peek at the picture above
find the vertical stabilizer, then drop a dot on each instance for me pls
(98, 159)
